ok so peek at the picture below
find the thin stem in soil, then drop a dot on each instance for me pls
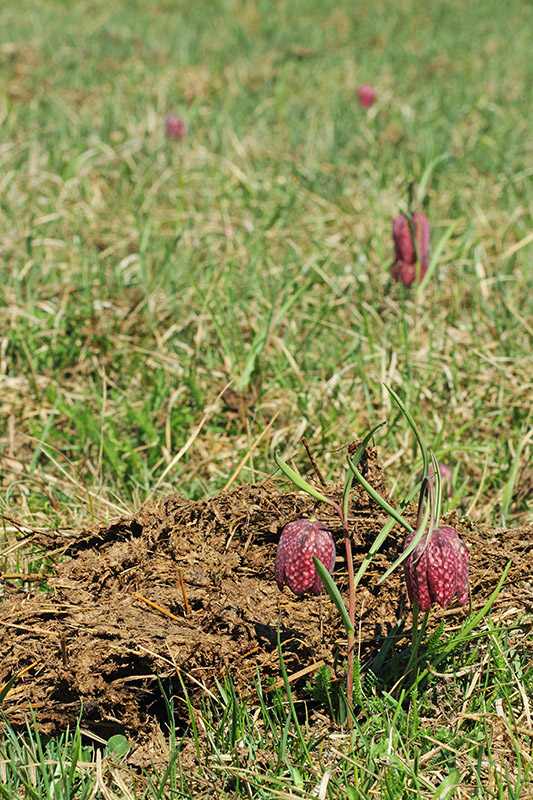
(351, 613)
(313, 462)
(351, 607)
(416, 638)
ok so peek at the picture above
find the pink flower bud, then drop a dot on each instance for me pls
(176, 127)
(299, 542)
(446, 476)
(366, 95)
(404, 267)
(437, 569)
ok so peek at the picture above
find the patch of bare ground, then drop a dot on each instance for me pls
(189, 586)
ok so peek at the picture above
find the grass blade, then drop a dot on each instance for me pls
(299, 481)
(331, 588)
(434, 260)
(412, 424)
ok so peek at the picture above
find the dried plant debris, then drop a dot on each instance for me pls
(189, 587)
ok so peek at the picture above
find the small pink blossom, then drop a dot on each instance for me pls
(366, 95)
(176, 127)
(299, 542)
(405, 261)
(437, 569)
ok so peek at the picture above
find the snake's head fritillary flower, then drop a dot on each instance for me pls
(299, 542)
(175, 127)
(404, 268)
(437, 569)
(366, 95)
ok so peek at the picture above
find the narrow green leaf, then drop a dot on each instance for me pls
(378, 541)
(410, 420)
(356, 459)
(437, 490)
(348, 481)
(299, 481)
(426, 175)
(331, 588)
(376, 544)
(377, 497)
(434, 260)
(386, 647)
(448, 787)
(8, 685)
(412, 545)
(471, 623)
(362, 447)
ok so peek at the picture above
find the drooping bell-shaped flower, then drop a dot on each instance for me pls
(175, 127)
(405, 264)
(366, 94)
(299, 542)
(437, 569)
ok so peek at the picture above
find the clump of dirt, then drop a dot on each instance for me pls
(189, 587)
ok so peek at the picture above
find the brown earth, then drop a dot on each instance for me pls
(189, 586)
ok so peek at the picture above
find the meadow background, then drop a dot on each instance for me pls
(140, 276)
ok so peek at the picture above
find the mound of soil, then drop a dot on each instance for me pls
(189, 587)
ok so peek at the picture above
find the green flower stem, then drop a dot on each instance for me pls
(351, 603)
(346, 493)
(416, 636)
(351, 613)
(348, 617)
(436, 496)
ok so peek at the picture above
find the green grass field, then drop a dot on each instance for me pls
(140, 276)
